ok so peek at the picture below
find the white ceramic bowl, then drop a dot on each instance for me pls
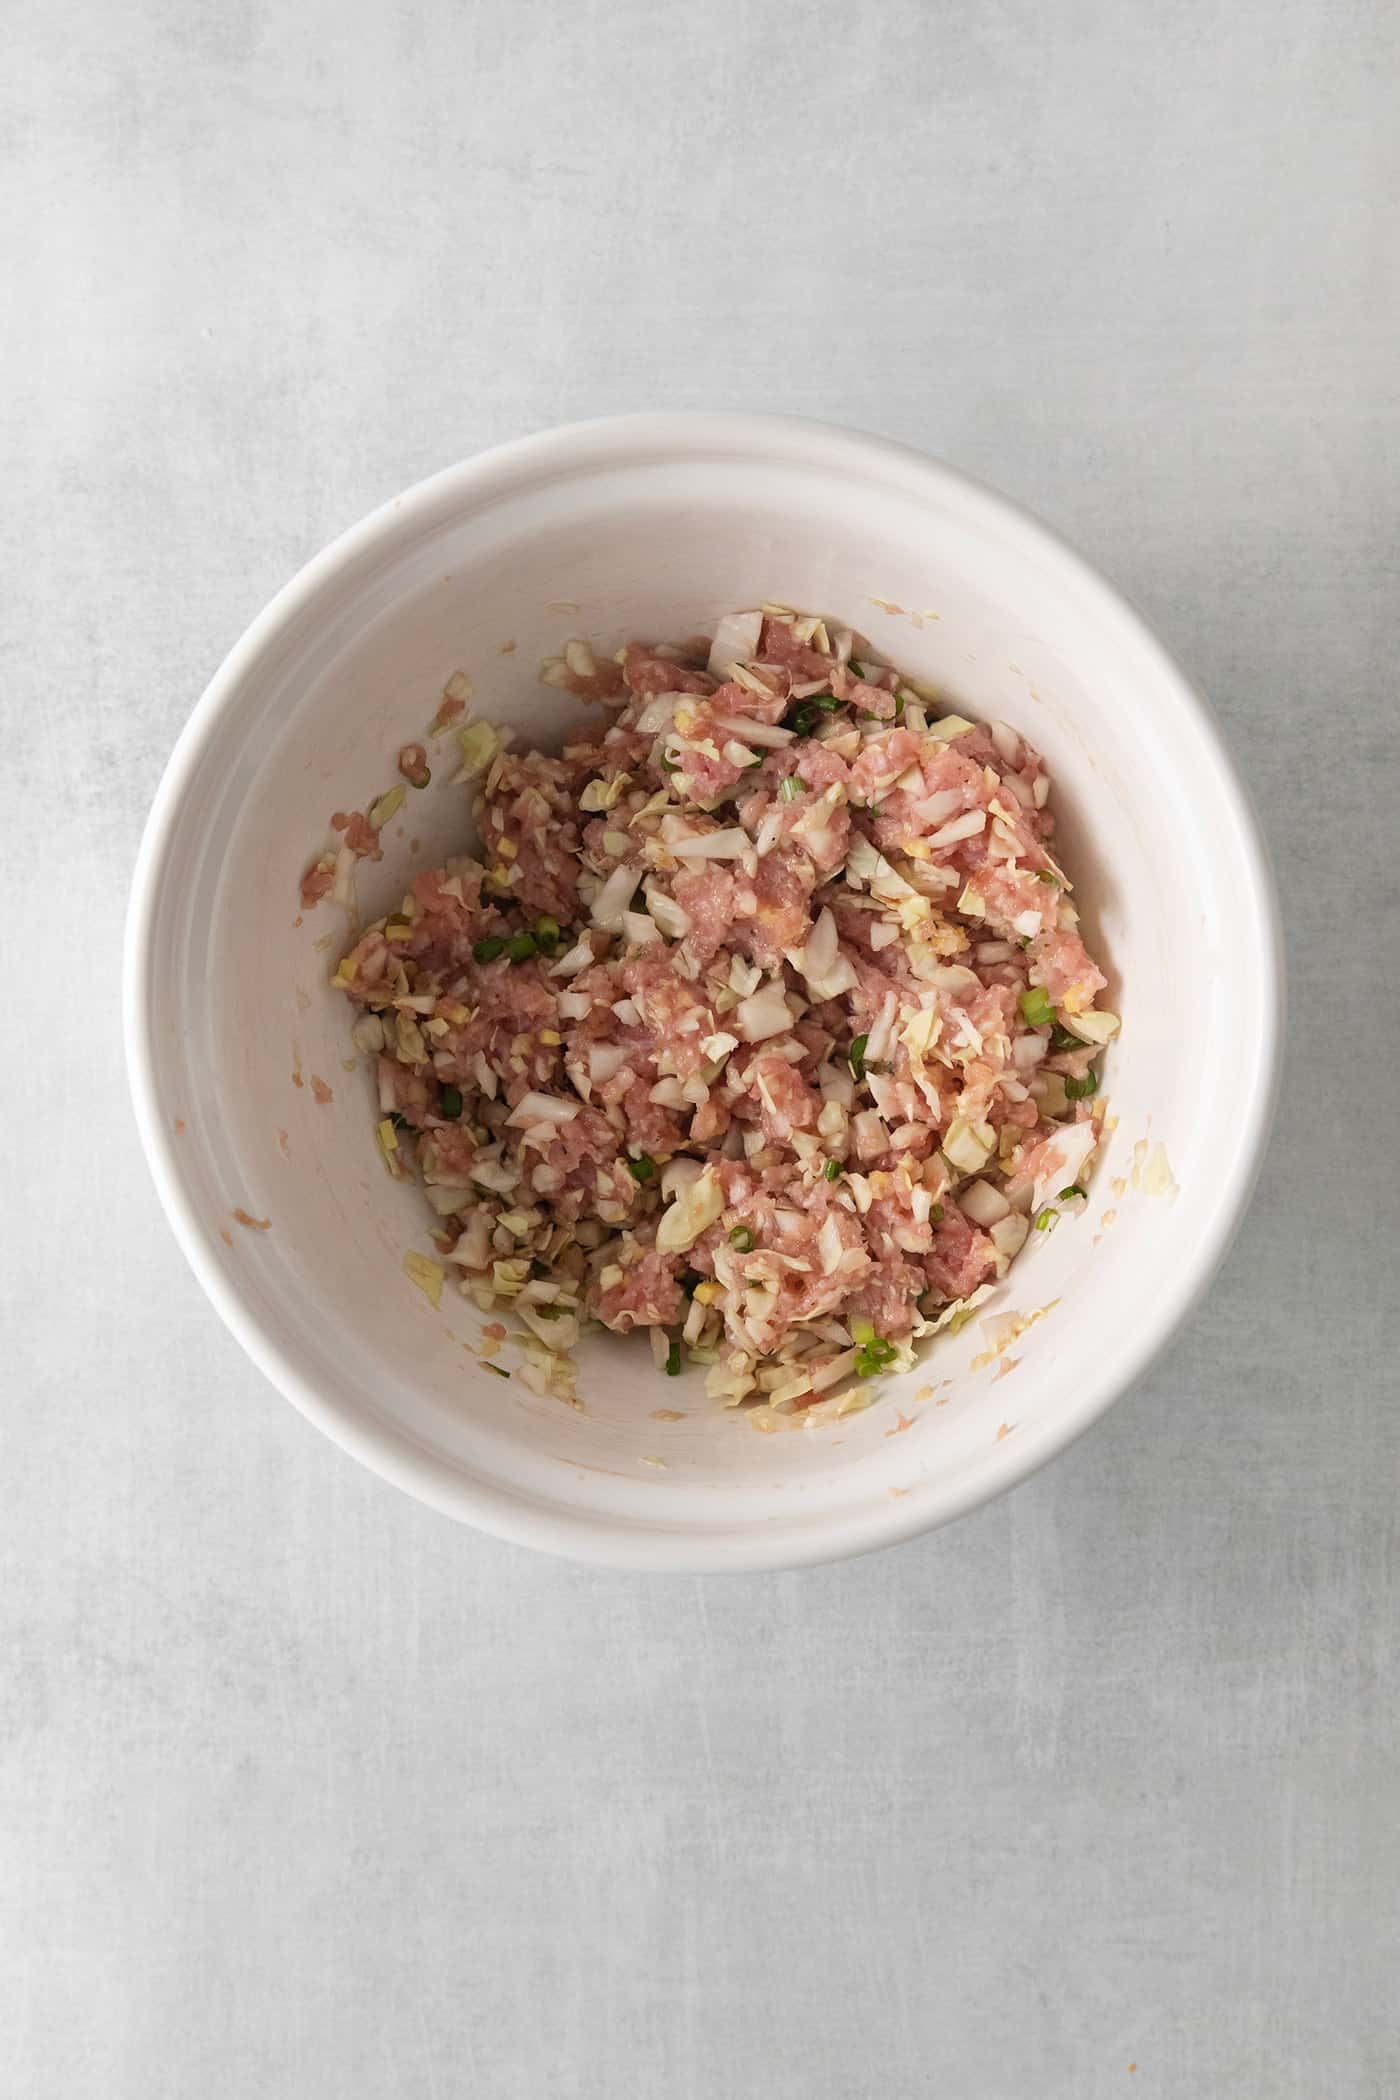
(652, 525)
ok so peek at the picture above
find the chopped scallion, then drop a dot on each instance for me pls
(790, 789)
(1068, 1195)
(450, 1105)
(1082, 1089)
(673, 1360)
(1036, 1009)
(520, 947)
(643, 1169)
(874, 1356)
(1046, 1220)
(855, 1056)
(547, 935)
(742, 1238)
(487, 951)
(833, 1170)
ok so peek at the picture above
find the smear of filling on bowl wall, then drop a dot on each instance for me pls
(761, 1021)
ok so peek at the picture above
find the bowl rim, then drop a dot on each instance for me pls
(513, 1516)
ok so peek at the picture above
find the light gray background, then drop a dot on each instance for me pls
(305, 1792)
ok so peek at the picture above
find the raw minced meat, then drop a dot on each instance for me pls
(761, 1018)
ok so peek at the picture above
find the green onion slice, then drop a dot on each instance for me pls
(875, 1356)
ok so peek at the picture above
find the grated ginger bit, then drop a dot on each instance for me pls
(1157, 1177)
(1007, 1328)
(425, 1275)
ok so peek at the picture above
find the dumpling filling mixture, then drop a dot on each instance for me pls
(762, 1021)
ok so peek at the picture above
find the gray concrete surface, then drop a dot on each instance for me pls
(304, 1792)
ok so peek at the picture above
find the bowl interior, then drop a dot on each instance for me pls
(238, 1037)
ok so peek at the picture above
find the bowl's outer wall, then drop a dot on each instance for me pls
(653, 526)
